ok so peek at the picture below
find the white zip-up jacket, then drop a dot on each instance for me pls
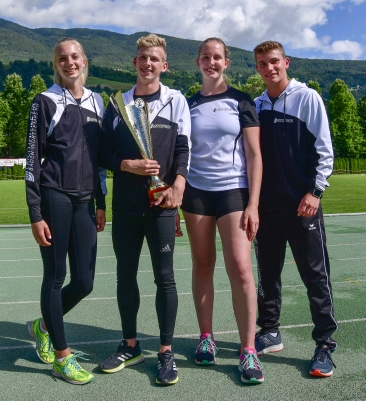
(170, 125)
(296, 146)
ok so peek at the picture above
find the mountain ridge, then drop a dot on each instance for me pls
(115, 50)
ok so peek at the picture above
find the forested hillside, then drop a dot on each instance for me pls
(114, 50)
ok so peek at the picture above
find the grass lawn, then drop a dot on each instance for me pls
(346, 194)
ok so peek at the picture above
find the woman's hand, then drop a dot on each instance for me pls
(41, 233)
(251, 221)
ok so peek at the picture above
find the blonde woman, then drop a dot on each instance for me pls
(64, 128)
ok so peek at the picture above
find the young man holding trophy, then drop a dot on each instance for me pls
(146, 143)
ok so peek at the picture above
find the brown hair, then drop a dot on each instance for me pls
(218, 40)
(267, 46)
(56, 76)
(152, 40)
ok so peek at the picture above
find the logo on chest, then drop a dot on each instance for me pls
(282, 120)
(222, 109)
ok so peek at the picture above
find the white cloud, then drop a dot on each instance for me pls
(240, 23)
(344, 49)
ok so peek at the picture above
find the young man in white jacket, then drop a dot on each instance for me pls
(297, 160)
(134, 218)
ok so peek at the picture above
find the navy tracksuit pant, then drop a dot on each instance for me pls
(306, 237)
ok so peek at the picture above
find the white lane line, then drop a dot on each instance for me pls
(37, 247)
(175, 254)
(179, 294)
(195, 335)
(30, 237)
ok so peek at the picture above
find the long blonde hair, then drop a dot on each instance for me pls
(56, 75)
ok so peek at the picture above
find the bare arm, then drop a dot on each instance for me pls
(253, 158)
(140, 166)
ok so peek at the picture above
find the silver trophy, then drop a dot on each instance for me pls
(136, 117)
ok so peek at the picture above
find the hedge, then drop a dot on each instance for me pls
(341, 166)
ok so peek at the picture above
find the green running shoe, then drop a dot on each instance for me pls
(71, 371)
(44, 347)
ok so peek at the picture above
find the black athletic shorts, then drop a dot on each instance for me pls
(214, 203)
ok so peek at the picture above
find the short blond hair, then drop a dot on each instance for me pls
(267, 46)
(152, 40)
(56, 75)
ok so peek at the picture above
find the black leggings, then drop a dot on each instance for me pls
(128, 232)
(73, 230)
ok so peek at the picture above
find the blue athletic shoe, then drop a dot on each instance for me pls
(322, 363)
(266, 343)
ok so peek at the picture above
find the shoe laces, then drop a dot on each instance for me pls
(251, 361)
(207, 345)
(167, 357)
(322, 354)
(45, 342)
(72, 363)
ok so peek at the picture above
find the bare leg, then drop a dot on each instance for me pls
(236, 248)
(202, 235)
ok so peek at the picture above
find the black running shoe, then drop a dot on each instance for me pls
(167, 370)
(124, 356)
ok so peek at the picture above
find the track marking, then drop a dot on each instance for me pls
(195, 335)
(179, 294)
(176, 254)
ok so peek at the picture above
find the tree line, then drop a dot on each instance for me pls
(347, 117)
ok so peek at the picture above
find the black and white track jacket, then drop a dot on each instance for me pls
(66, 134)
(170, 127)
(296, 146)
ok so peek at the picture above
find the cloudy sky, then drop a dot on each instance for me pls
(307, 28)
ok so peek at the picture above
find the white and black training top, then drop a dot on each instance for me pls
(63, 146)
(296, 146)
(217, 153)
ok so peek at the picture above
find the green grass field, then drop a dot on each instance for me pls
(346, 194)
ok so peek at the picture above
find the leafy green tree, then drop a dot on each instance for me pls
(37, 85)
(345, 127)
(15, 128)
(4, 117)
(254, 86)
(315, 85)
(105, 98)
(362, 115)
(193, 90)
(184, 81)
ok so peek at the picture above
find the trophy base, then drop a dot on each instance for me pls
(155, 193)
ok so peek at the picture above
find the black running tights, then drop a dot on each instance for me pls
(73, 229)
(128, 232)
